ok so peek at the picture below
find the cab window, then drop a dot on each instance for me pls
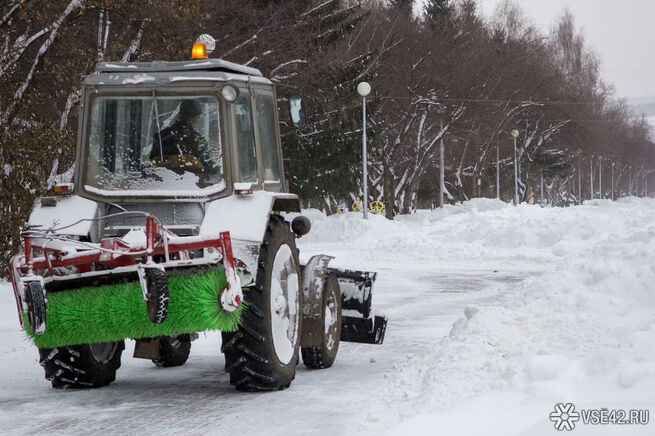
(267, 130)
(246, 151)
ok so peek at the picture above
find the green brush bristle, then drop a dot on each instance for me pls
(114, 312)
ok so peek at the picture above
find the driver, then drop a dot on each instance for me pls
(181, 145)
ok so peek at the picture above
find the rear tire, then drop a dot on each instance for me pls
(262, 355)
(324, 356)
(173, 351)
(82, 366)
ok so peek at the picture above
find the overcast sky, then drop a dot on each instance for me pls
(621, 32)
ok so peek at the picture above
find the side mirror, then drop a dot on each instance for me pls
(297, 111)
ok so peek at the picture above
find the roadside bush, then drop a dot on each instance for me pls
(29, 159)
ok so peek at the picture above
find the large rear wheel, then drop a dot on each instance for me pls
(263, 353)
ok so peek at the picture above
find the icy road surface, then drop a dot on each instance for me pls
(495, 314)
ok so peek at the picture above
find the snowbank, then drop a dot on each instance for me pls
(580, 329)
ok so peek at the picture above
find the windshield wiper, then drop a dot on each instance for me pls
(161, 150)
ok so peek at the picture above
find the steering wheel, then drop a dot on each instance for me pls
(179, 161)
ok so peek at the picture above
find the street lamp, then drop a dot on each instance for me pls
(630, 181)
(646, 183)
(613, 181)
(497, 171)
(579, 176)
(442, 186)
(514, 134)
(600, 177)
(541, 173)
(364, 89)
(591, 177)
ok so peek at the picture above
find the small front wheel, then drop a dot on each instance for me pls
(36, 307)
(173, 351)
(158, 295)
(323, 356)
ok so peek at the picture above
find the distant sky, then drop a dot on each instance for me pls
(622, 32)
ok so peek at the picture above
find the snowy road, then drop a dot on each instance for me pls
(496, 313)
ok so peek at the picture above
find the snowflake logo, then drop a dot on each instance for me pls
(564, 416)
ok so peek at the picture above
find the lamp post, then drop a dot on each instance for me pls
(630, 181)
(514, 134)
(364, 89)
(612, 181)
(541, 173)
(579, 176)
(591, 177)
(442, 187)
(646, 183)
(497, 171)
(600, 177)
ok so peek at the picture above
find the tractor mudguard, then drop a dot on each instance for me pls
(254, 211)
(248, 226)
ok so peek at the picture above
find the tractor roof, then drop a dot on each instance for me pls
(168, 73)
(179, 66)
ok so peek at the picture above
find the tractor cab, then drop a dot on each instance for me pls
(177, 130)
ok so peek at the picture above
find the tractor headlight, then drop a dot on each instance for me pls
(229, 93)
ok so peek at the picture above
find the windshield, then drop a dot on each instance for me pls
(154, 145)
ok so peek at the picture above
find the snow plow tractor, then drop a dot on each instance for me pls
(177, 221)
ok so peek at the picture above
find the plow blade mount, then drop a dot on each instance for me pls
(112, 308)
(358, 322)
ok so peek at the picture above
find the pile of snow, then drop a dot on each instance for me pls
(579, 328)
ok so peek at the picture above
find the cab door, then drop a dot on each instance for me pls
(267, 134)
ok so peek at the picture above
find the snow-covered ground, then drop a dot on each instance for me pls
(495, 314)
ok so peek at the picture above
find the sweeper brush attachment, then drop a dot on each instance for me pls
(114, 312)
(116, 290)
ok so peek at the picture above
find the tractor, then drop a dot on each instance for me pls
(177, 221)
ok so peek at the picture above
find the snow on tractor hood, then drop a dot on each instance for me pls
(66, 212)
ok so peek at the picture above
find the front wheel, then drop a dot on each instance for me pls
(262, 355)
(323, 356)
(173, 351)
(82, 366)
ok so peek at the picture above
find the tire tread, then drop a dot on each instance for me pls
(75, 367)
(247, 351)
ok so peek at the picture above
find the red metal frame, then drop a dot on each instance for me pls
(115, 252)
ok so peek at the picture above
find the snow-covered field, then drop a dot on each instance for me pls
(495, 314)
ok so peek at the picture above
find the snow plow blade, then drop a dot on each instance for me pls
(358, 322)
(363, 330)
